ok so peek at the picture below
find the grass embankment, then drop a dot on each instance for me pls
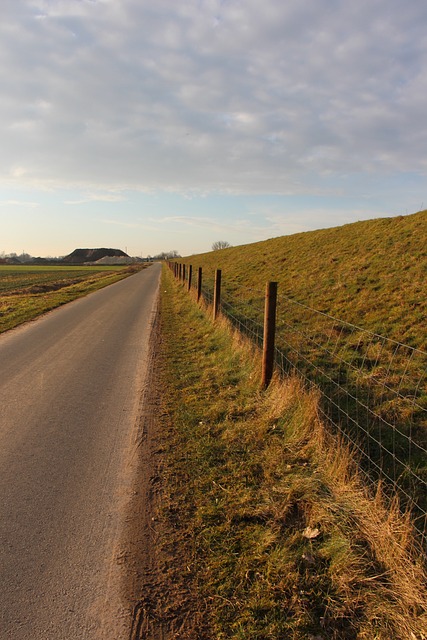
(370, 273)
(27, 292)
(266, 531)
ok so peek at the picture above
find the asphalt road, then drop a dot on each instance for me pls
(70, 400)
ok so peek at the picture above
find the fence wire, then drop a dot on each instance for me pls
(373, 390)
(244, 308)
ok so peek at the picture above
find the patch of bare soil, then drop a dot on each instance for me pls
(43, 288)
(159, 584)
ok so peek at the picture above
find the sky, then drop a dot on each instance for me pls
(158, 125)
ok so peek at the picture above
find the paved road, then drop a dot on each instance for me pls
(70, 389)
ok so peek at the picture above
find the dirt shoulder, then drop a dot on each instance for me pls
(158, 584)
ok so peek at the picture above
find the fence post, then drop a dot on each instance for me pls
(190, 276)
(183, 272)
(199, 284)
(217, 293)
(269, 333)
(180, 271)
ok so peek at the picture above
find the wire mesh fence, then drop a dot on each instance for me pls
(372, 389)
(244, 309)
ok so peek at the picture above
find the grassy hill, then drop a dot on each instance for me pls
(340, 291)
(370, 273)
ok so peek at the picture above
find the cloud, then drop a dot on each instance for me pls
(100, 197)
(238, 227)
(18, 203)
(123, 223)
(211, 95)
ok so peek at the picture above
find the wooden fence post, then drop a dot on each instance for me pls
(190, 276)
(269, 333)
(180, 271)
(199, 284)
(183, 272)
(217, 293)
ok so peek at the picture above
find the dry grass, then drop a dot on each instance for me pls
(275, 533)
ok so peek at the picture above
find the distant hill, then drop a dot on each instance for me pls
(115, 260)
(80, 256)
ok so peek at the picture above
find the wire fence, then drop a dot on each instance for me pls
(373, 390)
(240, 307)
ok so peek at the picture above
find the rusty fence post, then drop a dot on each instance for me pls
(199, 284)
(217, 293)
(269, 333)
(190, 276)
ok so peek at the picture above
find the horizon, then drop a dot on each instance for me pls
(4, 254)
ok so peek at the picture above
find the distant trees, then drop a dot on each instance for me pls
(220, 244)
(26, 258)
(14, 257)
(166, 255)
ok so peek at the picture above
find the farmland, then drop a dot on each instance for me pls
(29, 291)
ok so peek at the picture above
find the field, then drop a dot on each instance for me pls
(352, 317)
(28, 291)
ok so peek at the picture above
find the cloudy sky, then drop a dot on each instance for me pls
(151, 125)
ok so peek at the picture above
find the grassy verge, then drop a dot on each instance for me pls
(266, 529)
(28, 292)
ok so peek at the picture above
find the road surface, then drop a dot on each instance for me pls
(70, 400)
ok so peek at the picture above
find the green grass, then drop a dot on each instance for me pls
(27, 292)
(266, 527)
(370, 273)
(340, 290)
